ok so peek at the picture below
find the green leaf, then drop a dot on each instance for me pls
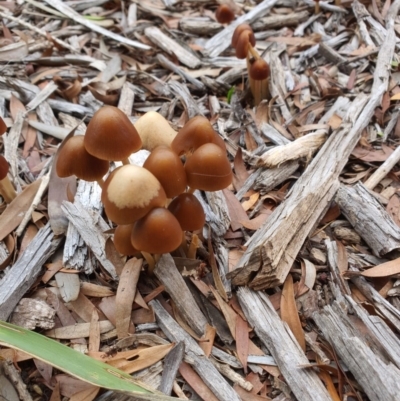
(230, 93)
(74, 363)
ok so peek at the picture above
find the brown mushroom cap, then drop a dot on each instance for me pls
(208, 168)
(157, 232)
(3, 126)
(239, 30)
(188, 211)
(168, 169)
(154, 130)
(110, 135)
(259, 70)
(3, 167)
(245, 39)
(224, 14)
(195, 133)
(130, 192)
(122, 240)
(73, 159)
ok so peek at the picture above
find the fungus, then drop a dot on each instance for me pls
(3, 127)
(157, 232)
(167, 167)
(111, 136)
(154, 130)
(73, 159)
(259, 73)
(224, 14)
(122, 240)
(317, 8)
(7, 190)
(244, 41)
(188, 211)
(208, 169)
(196, 132)
(130, 192)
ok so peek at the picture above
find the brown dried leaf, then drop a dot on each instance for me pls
(393, 208)
(289, 313)
(94, 332)
(15, 212)
(55, 395)
(85, 395)
(95, 290)
(241, 174)
(143, 358)
(242, 341)
(126, 294)
(257, 222)
(383, 270)
(236, 211)
(372, 155)
(196, 382)
(207, 339)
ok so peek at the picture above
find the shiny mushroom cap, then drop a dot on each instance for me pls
(208, 169)
(188, 211)
(157, 232)
(241, 38)
(195, 133)
(110, 135)
(73, 159)
(130, 192)
(154, 130)
(168, 169)
(122, 240)
(259, 70)
(224, 14)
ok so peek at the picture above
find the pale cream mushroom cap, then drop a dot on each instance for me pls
(154, 130)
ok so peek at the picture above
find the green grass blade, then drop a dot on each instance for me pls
(74, 363)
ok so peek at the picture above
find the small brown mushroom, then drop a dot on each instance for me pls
(188, 211)
(111, 136)
(244, 41)
(224, 14)
(259, 73)
(157, 232)
(7, 190)
(73, 159)
(168, 169)
(122, 240)
(208, 169)
(130, 192)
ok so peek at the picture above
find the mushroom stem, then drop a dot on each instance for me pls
(194, 244)
(317, 8)
(184, 246)
(253, 52)
(150, 261)
(190, 190)
(125, 161)
(261, 90)
(7, 190)
(338, 2)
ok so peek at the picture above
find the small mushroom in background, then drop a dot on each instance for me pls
(111, 136)
(224, 14)
(154, 130)
(7, 190)
(167, 167)
(73, 159)
(130, 192)
(243, 41)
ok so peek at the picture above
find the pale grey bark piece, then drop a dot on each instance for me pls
(26, 270)
(385, 338)
(42, 96)
(200, 26)
(182, 92)
(277, 337)
(171, 366)
(275, 245)
(11, 140)
(369, 219)
(277, 21)
(126, 99)
(172, 47)
(69, 286)
(273, 135)
(88, 228)
(379, 379)
(33, 313)
(76, 254)
(194, 355)
(222, 40)
(176, 287)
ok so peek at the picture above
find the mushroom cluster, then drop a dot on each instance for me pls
(243, 41)
(152, 205)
